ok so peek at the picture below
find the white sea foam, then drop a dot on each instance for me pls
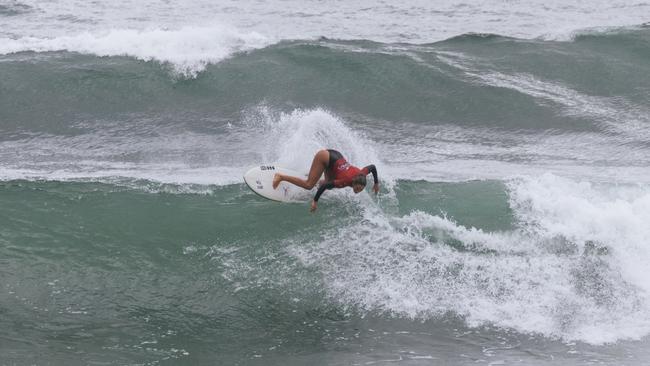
(293, 138)
(582, 212)
(188, 49)
(574, 269)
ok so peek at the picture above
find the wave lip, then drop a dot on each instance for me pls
(187, 50)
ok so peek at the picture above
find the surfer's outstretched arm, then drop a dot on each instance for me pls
(321, 189)
(372, 169)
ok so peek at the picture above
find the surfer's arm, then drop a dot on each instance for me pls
(372, 169)
(322, 188)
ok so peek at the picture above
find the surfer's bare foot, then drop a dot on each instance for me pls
(277, 178)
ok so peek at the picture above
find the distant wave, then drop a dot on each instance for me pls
(188, 50)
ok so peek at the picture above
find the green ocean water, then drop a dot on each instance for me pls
(98, 273)
(510, 226)
(146, 275)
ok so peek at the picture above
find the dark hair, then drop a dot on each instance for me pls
(359, 179)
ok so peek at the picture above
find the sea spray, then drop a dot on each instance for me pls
(568, 281)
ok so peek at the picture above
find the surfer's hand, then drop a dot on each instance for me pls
(313, 206)
(375, 188)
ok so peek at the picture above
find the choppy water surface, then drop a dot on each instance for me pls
(511, 141)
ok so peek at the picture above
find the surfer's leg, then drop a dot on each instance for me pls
(318, 166)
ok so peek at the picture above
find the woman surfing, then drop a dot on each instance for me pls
(338, 174)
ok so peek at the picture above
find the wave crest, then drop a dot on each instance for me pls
(187, 50)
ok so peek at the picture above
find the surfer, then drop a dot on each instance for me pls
(338, 174)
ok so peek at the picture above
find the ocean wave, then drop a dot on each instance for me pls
(574, 269)
(597, 32)
(385, 82)
(571, 266)
(187, 50)
(363, 20)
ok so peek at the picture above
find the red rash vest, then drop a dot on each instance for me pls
(344, 173)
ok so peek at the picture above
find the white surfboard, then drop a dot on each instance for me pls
(260, 180)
